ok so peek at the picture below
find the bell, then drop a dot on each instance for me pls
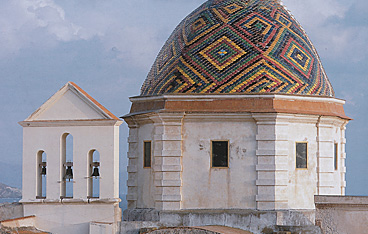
(95, 173)
(68, 173)
(43, 170)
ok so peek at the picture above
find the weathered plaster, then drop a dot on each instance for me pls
(261, 174)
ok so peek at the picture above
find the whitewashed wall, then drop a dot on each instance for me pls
(85, 138)
(262, 172)
(93, 128)
(72, 218)
(206, 187)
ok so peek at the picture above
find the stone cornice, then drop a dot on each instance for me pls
(234, 96)
(288, 104)
(60, 123)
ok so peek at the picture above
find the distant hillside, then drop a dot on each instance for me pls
(9, 192)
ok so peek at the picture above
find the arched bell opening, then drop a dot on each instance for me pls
(41, 174)
(66, 166)
(93, 174)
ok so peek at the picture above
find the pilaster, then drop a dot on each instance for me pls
(167, 153)
(342, 157)
(272, 162)
(132, 183)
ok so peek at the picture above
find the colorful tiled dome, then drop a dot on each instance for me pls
(238, 46)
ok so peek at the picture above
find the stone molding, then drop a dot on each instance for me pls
(291, 104)
(63, 123)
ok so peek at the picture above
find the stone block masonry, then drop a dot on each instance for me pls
(257, 222)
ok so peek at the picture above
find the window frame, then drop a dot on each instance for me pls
(336, 156)
(144, 154)
(307, 156)
(228, 154)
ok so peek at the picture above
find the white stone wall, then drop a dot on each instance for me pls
(167, 163)
(159, 186)
(262, 171)
(280, 185)
(135, 168)
(204, 186)
(272, 156)
(72, 218)
(72, 102)
(302, 183)
(71, 111)
(331, 181)
(71, 215)
(85, 138)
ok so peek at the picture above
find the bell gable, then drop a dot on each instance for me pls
(71, 103)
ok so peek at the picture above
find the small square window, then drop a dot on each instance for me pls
(301, 155)
(147, 154)
(336, 156)
(220, 154)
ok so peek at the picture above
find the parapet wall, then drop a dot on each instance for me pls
(199, 230)
(342, 214)
(265, 222)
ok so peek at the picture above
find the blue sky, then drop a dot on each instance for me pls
(107, 48)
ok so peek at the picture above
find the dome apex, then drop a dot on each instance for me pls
(238, 46)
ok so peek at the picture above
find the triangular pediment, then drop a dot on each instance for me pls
(71, 103)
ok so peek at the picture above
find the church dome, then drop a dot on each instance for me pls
(238, 46)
